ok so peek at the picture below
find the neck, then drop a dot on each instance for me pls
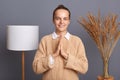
(61, 33)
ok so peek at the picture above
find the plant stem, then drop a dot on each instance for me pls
(105, 68)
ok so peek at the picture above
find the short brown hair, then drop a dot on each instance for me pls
(61, 7)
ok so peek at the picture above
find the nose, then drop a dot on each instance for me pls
(61, 21)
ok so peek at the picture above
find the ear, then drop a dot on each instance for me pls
(69, 21)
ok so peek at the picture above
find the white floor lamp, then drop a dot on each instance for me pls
(22, 38)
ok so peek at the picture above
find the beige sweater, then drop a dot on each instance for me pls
(61, 69)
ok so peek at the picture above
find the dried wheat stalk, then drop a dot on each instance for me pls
(104, 31)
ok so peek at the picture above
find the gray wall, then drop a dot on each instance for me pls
(39, 12)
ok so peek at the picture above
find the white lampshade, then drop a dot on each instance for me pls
(22, 37)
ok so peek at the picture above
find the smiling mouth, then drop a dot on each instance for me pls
(61, 26)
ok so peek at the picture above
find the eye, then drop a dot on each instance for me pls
(66, 18)
(57, 18)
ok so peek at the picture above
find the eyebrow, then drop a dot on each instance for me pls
(60, 17)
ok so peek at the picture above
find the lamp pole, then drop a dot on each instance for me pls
(23, 65)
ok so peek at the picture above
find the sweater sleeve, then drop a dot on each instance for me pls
(78, 62)
(41, 60)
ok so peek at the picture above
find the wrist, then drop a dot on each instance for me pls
(51, 61)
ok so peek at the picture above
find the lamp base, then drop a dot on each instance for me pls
(102, 78)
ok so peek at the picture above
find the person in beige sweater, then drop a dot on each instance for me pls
(60, 55)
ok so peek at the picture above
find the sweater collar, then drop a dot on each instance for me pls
(55, 36)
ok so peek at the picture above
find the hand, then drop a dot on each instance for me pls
(60, 50)
(63, 53)
(57, 52)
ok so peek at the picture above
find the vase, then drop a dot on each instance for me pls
(102, 78)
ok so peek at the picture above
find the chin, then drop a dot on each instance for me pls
(62, 30)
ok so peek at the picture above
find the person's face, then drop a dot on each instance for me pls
(61, 20)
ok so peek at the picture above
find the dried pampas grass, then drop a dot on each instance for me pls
(105, 32)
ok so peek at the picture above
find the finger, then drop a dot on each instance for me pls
(59, 44)
(61, 37)
(60, 40)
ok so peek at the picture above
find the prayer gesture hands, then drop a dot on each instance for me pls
(60, 51)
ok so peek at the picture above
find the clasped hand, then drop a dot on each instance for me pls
(60, 51)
